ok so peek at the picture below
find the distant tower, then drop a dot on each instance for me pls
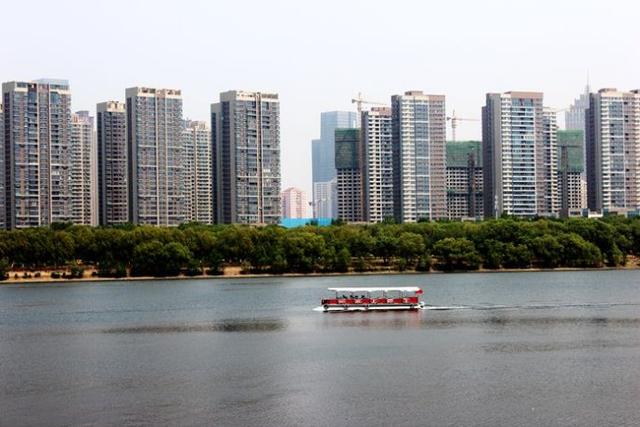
(323, 162)
(613, 150)
(196, 138)
(246, 158)
(154, 127)
(574, 117)
(3, 170)
(571, 181)
(548, 202)
(83, 169)
(37, 152)
(519, 155)
(113, 170)
(464, 179)
(378, 164)
(349, 167)
(419, 133)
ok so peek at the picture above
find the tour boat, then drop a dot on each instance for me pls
(365, 299)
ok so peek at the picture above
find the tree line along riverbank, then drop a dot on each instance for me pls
(193, 249)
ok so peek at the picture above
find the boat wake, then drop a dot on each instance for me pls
(446, 307)
(479, 307)
(525, 306)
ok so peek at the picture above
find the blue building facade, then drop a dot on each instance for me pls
(322, 153)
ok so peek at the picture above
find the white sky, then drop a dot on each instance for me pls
(318, 55)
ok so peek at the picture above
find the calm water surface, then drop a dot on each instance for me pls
(531, 349)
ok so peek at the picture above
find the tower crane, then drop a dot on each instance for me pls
(359, 101)
(454, 119)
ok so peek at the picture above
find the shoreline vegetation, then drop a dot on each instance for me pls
(66, 252)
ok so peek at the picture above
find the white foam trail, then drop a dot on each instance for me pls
(318, 309)
(445, 307)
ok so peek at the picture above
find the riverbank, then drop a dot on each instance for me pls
(234, 272)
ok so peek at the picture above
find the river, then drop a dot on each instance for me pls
(530, 349)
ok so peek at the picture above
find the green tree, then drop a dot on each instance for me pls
(303, 251)
(455, 253)
(492, 253)
(601, 234)
(157, 259)
(266, 247)
(547, 251)
(577, 252)
(410, 246)
(516, 256)
(177, 257)
(386, 244)
(336, 259)
(5, 267)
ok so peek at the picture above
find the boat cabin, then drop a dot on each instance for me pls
(363, 299)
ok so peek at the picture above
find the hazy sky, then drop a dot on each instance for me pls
(318, 55)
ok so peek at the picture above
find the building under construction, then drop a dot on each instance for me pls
(572, 185)
(464, 179)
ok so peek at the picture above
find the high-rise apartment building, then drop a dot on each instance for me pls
(154, 128)
(37, 152)
(196, 139)
(572, 184)
(322, 153)
(378, 164)
(349, 166)
(613, 150)
(294, 203)
(84, 197)
(464, 179)
(3, 208)
(113, 168)
(246, 158)
(419, 133)
(519, 148)
(547, 169)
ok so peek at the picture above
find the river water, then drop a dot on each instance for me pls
(532, 349)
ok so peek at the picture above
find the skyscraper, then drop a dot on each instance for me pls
(613, 150)
(113, 169)
(246, 158)
(574, 117)
(83, 168)
(154, 128)
(378, 164)
(418, 126)
(294, 203)
(547, 170)
(519, 145)
(323, 150)
(464, 179)
(196, 138)
(349, 167)
(3, 208)
(37, 152)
